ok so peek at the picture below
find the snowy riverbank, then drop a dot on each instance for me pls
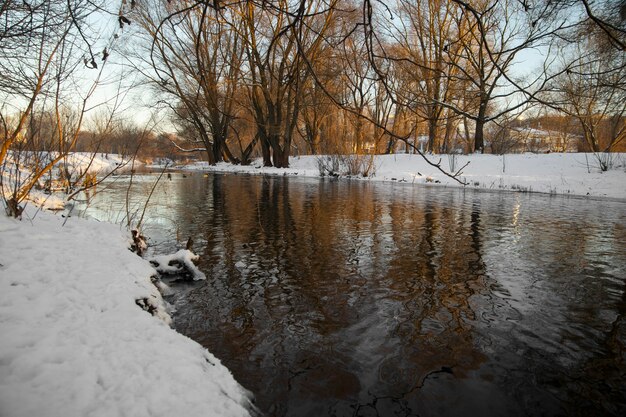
(19, 169)
(74, 340)
(556, 173)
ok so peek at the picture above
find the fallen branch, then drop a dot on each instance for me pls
(179, 264)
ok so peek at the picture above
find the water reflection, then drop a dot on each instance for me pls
(350, 298)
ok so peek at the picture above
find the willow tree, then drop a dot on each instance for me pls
(425, 35)
(194, 56)
(280, 38)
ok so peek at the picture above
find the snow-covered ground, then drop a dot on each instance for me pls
(18, 167)
(99, 162)
(555, 173)
(74, 341)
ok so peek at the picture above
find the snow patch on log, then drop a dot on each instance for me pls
(179, 263)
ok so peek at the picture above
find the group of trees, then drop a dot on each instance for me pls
(592, 90)
(129, 140)
(234, 76)
(341, 76)
(245, 77)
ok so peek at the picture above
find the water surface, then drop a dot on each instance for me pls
(350, 298)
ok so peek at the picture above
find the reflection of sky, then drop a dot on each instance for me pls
(161, 220)
(515, 219)
(542, 266)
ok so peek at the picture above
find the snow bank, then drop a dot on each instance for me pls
(77, 164)
(555, 173)
(99, 163)
(75, 341)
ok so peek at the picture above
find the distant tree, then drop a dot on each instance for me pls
(590, 83)
(319, 115)
(493, 36)
(426, 32)
(358, 88)
(593, 91)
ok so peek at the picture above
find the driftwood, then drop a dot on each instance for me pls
(179, 264)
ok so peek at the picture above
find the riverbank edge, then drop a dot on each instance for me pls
(76, 278)
(572, 175)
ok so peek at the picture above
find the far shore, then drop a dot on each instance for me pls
(574, 174)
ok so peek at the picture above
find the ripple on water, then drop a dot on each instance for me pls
(356, 299)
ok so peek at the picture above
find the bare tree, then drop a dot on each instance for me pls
(277, 41)
(427, 33)
(494, 35)
(593, 91)
(194, 56)
(44, 45)
(319, 115)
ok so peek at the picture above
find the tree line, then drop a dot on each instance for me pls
(243, 78)
(354, 77)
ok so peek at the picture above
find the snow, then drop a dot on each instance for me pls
(99, 163)
(178, 262)
(555, 173)
(46, 201)
(75, 341)
(77, 163)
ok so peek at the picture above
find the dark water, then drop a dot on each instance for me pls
(347, 298)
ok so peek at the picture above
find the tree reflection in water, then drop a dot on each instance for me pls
(351, 298)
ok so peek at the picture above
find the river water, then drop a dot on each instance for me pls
(352, 298)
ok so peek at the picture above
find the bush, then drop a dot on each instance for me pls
(346, 165)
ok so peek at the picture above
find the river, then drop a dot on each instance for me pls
(352, 298)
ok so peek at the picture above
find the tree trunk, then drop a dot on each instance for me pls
(432, 136)
(479, 140)
(285, 155)
(265, 150)
(210, 158)
(217, 150)
(229, 155)
(281, 157)
(245, 155)
(390, 144)
(315, 140)
(312, 137)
